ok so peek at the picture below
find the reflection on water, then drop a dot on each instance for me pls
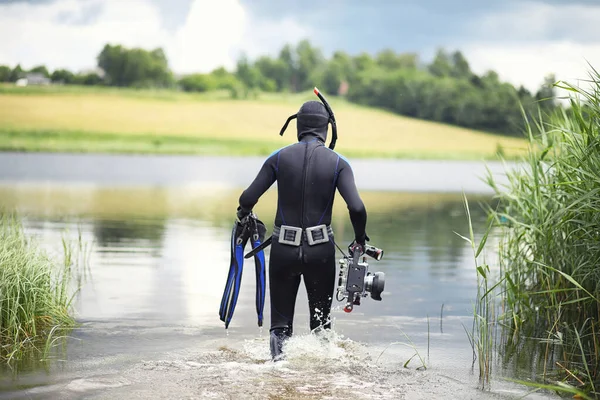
(156, 243)
(160, 259)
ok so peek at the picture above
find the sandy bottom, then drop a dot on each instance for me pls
(329, 367)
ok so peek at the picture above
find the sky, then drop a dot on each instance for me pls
(522, 40)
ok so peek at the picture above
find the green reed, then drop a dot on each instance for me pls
(483, 333)
(35, 293)
(549, 254)
(411, 345)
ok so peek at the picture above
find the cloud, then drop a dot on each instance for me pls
(216, 33)
(71, 33)
(44, 34)
(534, 39)
(528, 64)
(209, 36)
(535, 20)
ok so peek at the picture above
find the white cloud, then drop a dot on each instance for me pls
(36, 35)
(528, 63)
(212, 30)
(519, 44)
(268, 37)
(213, 34)
(532, 20)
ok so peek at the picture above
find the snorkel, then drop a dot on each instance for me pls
(331, 119)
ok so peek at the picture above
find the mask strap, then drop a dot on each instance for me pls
(287, 123)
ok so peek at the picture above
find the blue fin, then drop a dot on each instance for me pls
(239, 237)
(259, 265)
(234, 278)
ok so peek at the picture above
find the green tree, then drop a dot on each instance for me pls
(339, 69)
(363, 62)
(389, 60)
(310, 59)
(4, 73)
(490, 79)
(159, 72)
(274, 73)
(135, 67)
(40, 69)
(198, 83)
(524, 92)
(89, 79)
(345, 63)
(287, 58)
(111, 60)
(441, 64)
(247, 73)
(460, 66)
(225, 79)
(16, 73)
(331, 78)
(546, 95)
(62, 75)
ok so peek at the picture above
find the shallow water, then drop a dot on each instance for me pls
(148, 304)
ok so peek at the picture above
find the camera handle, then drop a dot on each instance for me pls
(355, 280)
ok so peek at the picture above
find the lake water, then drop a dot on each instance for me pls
(158, 230)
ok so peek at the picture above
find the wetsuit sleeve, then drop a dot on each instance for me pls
(263, 181)
(358, 214)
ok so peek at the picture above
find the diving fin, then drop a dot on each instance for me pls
(239, 238)
(258, 237)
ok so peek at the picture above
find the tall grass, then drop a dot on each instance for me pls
(35, 292)
(549, 214)
(483, 333)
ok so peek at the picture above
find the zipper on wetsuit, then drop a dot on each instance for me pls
(302, 206)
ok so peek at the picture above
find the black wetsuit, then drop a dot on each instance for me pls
(307, 175)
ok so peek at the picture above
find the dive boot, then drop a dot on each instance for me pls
(324, 335)
(278, 337)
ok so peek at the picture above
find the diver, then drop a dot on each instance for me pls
(307, 175)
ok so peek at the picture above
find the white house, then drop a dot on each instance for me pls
(33, 78)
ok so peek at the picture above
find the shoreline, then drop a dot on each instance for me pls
(450, 176)
(75, 142)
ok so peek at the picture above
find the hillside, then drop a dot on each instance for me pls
(130, 121)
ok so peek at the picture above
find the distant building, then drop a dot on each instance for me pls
(33, 78)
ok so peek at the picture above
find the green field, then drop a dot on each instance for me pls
(78, 119)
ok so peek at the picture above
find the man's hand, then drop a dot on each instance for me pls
(242, 215)
(358, 245)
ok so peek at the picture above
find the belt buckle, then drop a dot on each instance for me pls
(297, 235)
(318, 228)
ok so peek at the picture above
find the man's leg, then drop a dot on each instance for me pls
(284, 281)
(319, 279)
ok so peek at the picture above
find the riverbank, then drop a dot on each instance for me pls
(109, 120)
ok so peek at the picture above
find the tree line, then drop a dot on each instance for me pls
(444, 90)
(63, 76)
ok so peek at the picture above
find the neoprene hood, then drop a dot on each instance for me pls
(313, 118)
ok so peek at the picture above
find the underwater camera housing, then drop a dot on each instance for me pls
(355, 280)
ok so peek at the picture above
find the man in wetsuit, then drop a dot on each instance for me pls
(307, 175)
